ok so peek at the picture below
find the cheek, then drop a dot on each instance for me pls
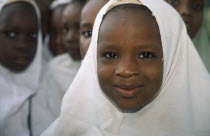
(105, 75)
(197, 22)
(153, 74)
(84, 45)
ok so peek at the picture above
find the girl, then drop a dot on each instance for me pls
(55, 39)
(141, 76)
(20, 59)
(88, 16)
(192, 12)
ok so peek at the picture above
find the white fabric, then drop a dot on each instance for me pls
(16, 90)
(57, 3)
(180, 109)
(47, 56)
(47, 103)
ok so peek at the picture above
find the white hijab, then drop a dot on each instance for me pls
(180, 109)
(17, 88)
(57, 3)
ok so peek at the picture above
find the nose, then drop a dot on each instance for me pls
(22, 43)
(127, 68)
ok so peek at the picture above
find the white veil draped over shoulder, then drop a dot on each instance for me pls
(180, 109)
(17, 88)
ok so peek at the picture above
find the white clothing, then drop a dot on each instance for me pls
(57, 3)
(46, 104)
(17, 88)
(180, 109)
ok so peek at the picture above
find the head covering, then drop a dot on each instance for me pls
(181, 108)
(57, 3)
(17, 88)
(202, 44)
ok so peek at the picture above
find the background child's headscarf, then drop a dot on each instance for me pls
(17, 88)
(180, 109)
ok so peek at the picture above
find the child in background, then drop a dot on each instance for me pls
(192, 12)
(55, 37)
(20, 64)
(60, 72)
(139, 77)
(88, 16)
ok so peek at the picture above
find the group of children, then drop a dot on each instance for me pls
(104, 67)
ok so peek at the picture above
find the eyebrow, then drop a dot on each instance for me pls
(86, 24)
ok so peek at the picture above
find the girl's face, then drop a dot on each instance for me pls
(56, 44)
(88, 16)
(129, 57)
(191, 12)
(18, 36)
(70, 29)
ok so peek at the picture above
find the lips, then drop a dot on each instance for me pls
(22, 60)
(128, 91)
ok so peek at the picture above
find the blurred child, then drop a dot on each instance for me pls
(192, 12)
(55, 38)
(20, 64)
(139, 77)
(88, 16)
(60, 71)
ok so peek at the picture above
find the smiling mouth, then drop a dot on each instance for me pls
(128, 91)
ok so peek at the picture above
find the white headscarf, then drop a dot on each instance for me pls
(17, 88)
(180, 109)
(57, 3)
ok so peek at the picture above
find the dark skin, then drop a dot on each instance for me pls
(129, 58)
(56, 44)
(45, 15)
(71, 28)
(192, 13)
(88, 16)
(18, 36)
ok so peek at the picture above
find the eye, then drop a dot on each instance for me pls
(33, 35)
(146, 55)
(174, 3)
(110, 55)
(65, 30)
(10, 34)
(87, 34)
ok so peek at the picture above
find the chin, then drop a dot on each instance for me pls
(129, 107)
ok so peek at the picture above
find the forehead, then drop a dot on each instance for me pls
(72, 12)
(91, 9)
(18, 13)
(22, 8)
(130, 25)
